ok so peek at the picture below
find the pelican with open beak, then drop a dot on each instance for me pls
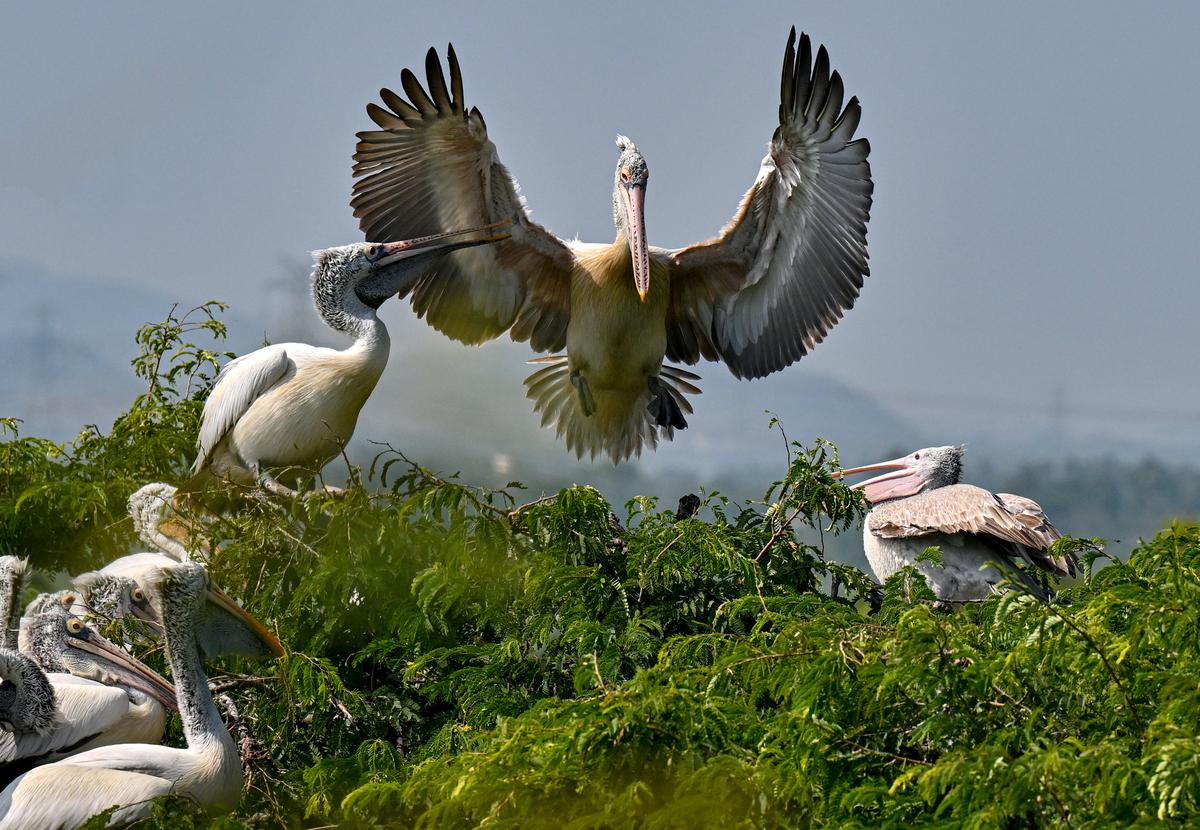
(919, 503)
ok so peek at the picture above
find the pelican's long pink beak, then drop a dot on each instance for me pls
(124, 669)
(903, 482)
(396, 251)
(634, 197)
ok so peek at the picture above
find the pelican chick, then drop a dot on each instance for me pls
(157, 520)
(106, 598)
(922, 504)
(222, 627)
(283, 412)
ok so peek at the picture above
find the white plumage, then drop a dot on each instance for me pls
(284, 411)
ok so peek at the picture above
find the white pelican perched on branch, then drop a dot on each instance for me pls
(284, 411)
(758, 297)
(921, 504)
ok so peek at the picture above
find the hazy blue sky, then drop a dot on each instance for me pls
(1035, 223)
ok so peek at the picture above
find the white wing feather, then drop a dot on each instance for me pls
(240, 383)
(65, 796)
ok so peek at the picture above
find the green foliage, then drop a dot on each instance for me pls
(65, 503)
(459, 658)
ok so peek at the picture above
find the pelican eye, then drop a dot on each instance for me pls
(68, 600)
(374, 252)
(138, 595)
(624, 175)
(916, 456)
(74, 625)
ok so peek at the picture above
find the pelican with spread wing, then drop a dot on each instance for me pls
(758, 297)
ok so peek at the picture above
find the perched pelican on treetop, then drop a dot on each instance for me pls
(758, 297)
(282, 412)
(921, 504)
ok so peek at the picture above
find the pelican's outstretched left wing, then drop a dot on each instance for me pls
(768, 289)
(431, 167)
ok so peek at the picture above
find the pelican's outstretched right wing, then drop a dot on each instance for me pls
(762, 294)
(431, 167)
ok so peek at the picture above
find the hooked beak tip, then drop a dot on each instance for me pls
(642, 294)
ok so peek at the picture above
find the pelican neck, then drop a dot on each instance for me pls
(197, 709)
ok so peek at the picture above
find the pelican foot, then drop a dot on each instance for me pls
(586, 401)
(663, 407)
(271, 484)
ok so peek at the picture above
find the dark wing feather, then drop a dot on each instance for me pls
(768, 289)
(430, 167)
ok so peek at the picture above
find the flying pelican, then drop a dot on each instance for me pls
(208, 771)
(922, 504)
(759, 296)
(101, 694)
(286, 410)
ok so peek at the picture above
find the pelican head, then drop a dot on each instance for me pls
(61, 642)
(27, 702)
(370, 272)
(925, 469)
(629, 209)
(219, 625)
(113, 597)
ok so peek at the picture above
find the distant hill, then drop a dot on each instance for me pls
(66, 344)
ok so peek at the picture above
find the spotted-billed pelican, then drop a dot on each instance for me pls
(157, 522)
(222, 627)
(921, 504)
(282, 412)
(102, 598)
(758, 297)
(101, 694)
(128, 776)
